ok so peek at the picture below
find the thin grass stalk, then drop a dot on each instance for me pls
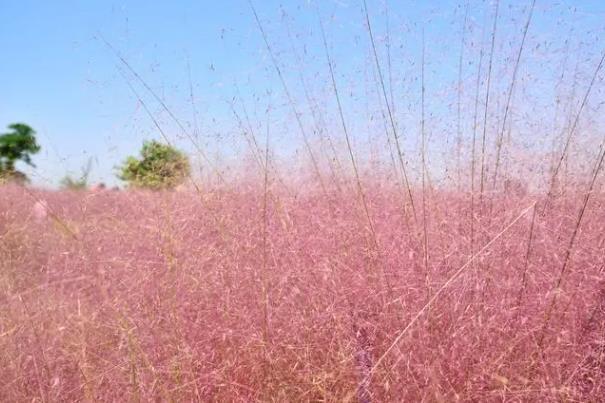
(424, 170)
(388, 137)
(318, 124)
(389, 62)
(570, 246)
(571, 96)
(459, 100)
(301, 127)
(394, 165)
(510, 95)
(265, 274)
(248, 122)
(526, 262)
(390, 113)
(253, 143)
(248, 135)
(196, 128)
(392, 98)
(563, 156)
(572, 132)
(486, 109)
(474, 146)
(360, 191)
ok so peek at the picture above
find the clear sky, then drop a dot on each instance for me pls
(58, 75)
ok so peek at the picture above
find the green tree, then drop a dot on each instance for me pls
(17, 145)
(160, 166)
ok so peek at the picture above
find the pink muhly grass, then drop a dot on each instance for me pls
(334, 283)
(160, 296)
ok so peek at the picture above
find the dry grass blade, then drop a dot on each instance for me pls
(443, 287)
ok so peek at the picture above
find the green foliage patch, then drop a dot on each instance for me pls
(160, 166)
(17, 145)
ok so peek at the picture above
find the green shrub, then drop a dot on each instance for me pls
(160, 166)
(70, 183)
(81, 183)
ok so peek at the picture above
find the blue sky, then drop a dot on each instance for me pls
(58, 75)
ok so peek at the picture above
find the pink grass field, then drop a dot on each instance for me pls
(225, 296)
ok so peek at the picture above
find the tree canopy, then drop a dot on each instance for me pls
(17, 145)
(160, 166)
